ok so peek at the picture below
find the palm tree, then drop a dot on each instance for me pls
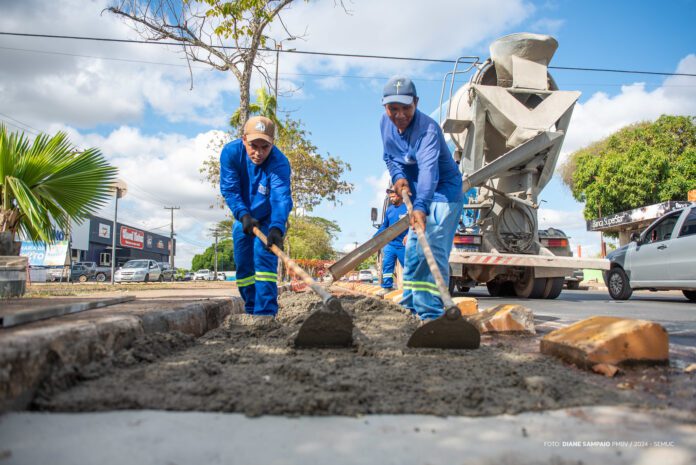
(265, 105)
(46, 183)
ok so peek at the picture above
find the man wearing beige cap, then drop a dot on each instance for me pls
(255, 182)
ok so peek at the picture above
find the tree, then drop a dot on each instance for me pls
(46, 183)
(265, 105)
(225, 257)
(314, 178)
(639, 165)
(203, 27)
(310, 237)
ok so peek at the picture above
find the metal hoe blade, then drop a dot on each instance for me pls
(329, 326)
(450, 331)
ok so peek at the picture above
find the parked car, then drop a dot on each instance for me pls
(77, 272)
(221, 276)
(99, 273)
(663, 257)
(365, 276)
(139, 271)
(182, 275)
(167, 271)
(203, 274)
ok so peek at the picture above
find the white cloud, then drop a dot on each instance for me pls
(547, 26)
(602, 114)
(549, 218)
(378, 185)
(162, 171)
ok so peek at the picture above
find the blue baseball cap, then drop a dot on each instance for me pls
(399, 89)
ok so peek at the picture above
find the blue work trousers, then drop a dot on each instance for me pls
(391, 253)
(257, 277)
(421, 295)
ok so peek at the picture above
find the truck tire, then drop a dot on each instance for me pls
(100, 277)
(532, 288)
(691, 295)
(617, 283)
(494, 288)
(554, 287)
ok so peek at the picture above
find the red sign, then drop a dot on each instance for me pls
(132, 238)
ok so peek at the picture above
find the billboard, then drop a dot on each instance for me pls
(133, 238)
(39, 254)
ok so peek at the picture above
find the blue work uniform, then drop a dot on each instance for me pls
(262, 191)
(421, 156)
(395, 249)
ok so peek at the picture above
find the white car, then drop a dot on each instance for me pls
(139, 271)
(365, 276)
(663, 257)
(203, 274)
(221, 276)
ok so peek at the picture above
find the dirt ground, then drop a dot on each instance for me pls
(254, 369)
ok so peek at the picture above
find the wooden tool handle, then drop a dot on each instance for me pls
(323, 293)
(430, 258)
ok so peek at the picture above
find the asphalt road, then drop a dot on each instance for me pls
(671, 309)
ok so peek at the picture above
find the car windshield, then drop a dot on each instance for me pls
(202, 271)
(136, 264)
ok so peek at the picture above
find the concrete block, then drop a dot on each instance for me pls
(610, 340)
(467, 305)
(396, 298)
(505, 318)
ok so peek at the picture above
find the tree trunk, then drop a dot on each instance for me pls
(8, 246)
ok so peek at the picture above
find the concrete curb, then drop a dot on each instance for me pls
(30, 355)
(30, 315)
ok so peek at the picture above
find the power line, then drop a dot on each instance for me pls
(335, 54)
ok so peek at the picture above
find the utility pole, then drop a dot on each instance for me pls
(279, 47)
(217, 234)
(171, 237)
(120, 190)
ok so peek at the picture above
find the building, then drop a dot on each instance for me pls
(92, 241)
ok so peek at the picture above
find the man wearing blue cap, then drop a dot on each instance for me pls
(419, 160)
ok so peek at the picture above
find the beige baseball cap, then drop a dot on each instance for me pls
(259, 127)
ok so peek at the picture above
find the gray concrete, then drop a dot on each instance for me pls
(22, 311)
(606, 435)
(32, 352)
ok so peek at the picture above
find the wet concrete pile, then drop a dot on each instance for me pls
(253, 368)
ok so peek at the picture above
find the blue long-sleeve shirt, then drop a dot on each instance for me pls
(421, 156)
(262, 191)
(393, 215)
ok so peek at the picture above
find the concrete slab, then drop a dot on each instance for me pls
(21, 311)
(607, 435)
(31, 352)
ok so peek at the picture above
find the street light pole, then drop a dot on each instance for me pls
(278, 48)
(120, 188)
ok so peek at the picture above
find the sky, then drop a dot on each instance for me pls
(137, 104)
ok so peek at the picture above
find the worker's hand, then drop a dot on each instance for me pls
(275, 237)
(418, 218)
(400, 185)
(249, 223)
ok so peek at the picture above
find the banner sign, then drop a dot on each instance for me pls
(638, 215)
(132, 238)
(41, 255)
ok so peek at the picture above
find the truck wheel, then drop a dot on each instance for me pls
(691, 295)
(617, 283)
(531, 288)
(494, 288)
(573, 285)
(101, 277)
(82, 278)
(553, 288)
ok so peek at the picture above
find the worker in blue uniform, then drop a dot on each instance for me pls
(419, 160)
(395, 249)
(255, 183)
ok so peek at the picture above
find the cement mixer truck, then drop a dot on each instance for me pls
(507, 126)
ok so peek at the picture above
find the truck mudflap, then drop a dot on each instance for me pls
(521, 260)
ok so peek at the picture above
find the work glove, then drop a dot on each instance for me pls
(274, 237)
(249, 223)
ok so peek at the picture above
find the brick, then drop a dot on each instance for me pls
(610, 340)
(396, 292)
(467, 305)
(397, 297)
(505, 318)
